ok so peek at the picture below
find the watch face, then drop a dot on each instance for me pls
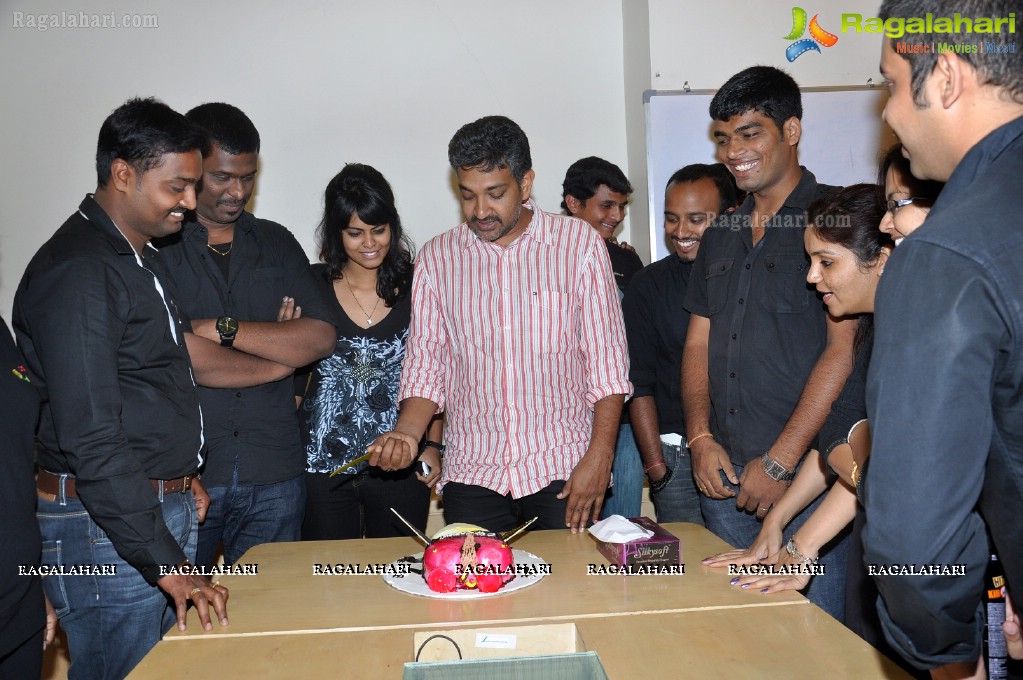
(227, 326)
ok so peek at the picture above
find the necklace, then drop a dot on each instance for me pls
(369, 315)
(224, 253)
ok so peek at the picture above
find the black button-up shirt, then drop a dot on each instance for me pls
(767, 326)
(119, 406)
(655, 326)
(945, 400)
(256, 427)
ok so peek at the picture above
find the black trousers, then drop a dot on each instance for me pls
(357, 506)
(490, 510)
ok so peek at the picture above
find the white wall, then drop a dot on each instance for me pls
(384, 82)
(701, 44)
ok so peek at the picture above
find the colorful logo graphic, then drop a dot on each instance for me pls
(817, 35)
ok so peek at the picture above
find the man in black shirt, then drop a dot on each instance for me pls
(231, 272)
(945, 386)
(120, 433)
(655, 326)
(763, 360)
(597, 191)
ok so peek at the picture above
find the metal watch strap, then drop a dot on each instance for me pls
(774, 469)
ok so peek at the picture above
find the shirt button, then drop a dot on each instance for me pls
(770, 265)
(734, 336)
(741, 301)
(733, 411)
(747, 266)
(237, 394)
(731, 375)
(236, 433)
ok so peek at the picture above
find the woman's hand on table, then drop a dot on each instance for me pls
(774, 582)
(767, 544)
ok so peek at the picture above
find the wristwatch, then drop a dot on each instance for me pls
(427, 443)
(775, 470)
(227, 328)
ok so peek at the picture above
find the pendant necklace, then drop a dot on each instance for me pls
(369, 315)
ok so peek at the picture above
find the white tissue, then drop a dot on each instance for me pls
(617, 529)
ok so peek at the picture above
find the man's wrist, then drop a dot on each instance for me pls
(775, 470)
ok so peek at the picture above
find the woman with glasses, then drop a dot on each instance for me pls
(852, 231)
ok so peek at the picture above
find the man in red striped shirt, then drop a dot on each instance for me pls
(517, 335)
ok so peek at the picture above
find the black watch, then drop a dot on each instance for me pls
(227, 328)
(440, 447)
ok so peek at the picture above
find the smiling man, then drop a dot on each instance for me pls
(231, 272)
(945, 388)
(120, 433)
(763, 360)
(517, 335)
(655, 326)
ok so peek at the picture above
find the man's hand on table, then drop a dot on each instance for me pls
(585, 490)
(184, 587)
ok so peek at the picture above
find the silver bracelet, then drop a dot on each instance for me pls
(793, 551)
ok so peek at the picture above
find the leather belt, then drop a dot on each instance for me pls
(49, 483)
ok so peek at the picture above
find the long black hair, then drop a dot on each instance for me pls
(360, 190)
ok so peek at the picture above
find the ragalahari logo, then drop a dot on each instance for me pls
(817, 35)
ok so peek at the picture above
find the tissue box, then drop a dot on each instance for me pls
(663, 548)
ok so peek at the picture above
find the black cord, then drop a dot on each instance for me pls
(444, 637)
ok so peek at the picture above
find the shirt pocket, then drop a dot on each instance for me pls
(785, 288)
(550, 321)
(717, 284)
(264, 292)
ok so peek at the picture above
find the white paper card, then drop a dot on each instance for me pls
(495, 641)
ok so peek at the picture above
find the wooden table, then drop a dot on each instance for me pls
(287, 622)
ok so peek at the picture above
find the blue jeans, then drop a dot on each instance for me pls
(678, 501)
(111, 621)
(625, 498)
(740, 529)
(245, 516)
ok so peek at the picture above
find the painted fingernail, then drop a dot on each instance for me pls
(764, 590)
(734, 581)
(744, 586)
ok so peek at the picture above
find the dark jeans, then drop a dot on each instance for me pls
(247, 516)
(353, 506)
(678, 501)
(494, 512)
(111, 620)
(625, 498)
(740, 529)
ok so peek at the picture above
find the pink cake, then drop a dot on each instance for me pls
(470, 559)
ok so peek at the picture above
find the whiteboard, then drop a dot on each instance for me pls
(843, 136)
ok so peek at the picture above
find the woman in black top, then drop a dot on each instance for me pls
(350, 398)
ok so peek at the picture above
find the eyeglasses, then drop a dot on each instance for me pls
(893, 205)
